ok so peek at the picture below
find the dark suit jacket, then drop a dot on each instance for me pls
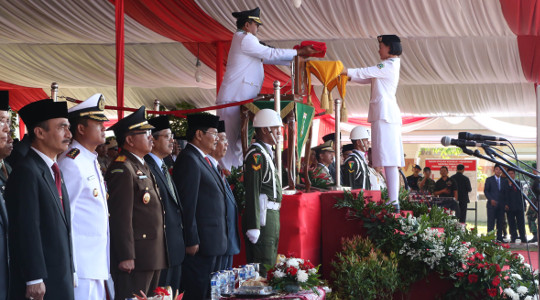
(40, 230)
(173, 215)
(492, 192)
(233, 240)
(512, 197)
(4, 251)
(202, 194)
(3, 178)
(136, 227)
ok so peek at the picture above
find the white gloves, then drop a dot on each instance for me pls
(253, 235)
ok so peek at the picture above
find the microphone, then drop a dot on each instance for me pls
(478, 137)
(447, 141)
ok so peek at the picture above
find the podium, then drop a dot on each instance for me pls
(296, 116)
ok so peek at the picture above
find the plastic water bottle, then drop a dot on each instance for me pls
(251, 271)
(232, 280)
(215, 292)
(223, 282)
(243, 275)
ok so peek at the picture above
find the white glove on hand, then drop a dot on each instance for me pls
(253, 235)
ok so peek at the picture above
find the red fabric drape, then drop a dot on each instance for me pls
(119, 10)
(523, 18)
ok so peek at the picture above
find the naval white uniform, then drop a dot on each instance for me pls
(243, 80)
(90, 220)
(384, 114)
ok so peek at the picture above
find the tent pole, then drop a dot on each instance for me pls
(119, 24)
(537, 90)
(219, 64)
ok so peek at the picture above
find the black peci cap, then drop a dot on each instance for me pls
(253, 14)
(42, 110)
(4, 100)
(160, 123)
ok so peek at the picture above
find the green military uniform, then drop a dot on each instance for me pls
(322, 171)
(355, 171)
(261, 180)
(429, 186)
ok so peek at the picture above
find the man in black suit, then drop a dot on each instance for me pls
(233, 238)
(514, 205)
(163, 144)
(38, 209)
(202, 194)
(463, 190)
(4, 250)
(495, 204)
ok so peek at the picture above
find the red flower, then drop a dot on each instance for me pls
(480, 266)
(161, 291)
(492, 292)
(496, 281)
(498, 268)
(460, 274)
(473, 278)
(292, 271)
(241, 178)
(232, 187)
(270, 274)
(308, 265)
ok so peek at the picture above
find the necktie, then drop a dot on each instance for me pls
(208, 160)
(58, 181)
(4, 169)
(499, 183)
(169, 181)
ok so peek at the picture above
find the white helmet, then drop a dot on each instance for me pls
(360, 133)
(267, 118)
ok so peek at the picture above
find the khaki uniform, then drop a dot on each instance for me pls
(261, 181)
(136, 225)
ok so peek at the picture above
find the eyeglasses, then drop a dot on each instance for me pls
(166, 136)
(224, 140)
(215, 134)
(146, 132)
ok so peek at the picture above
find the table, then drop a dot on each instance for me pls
(302, 295)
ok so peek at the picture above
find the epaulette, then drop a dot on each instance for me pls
(73, 153)
(121, 158)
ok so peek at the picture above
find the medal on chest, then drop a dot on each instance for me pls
(95, 192)
(146, 197)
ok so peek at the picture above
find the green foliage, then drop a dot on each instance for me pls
(236, 181)
(364, 272)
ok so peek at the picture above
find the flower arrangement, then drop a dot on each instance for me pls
(236, 180)
(291, 274)
(433, 242)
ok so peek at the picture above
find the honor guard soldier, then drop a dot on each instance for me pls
(38, 208)
(5, 151)
(163, 146)
(355, 169)
(260, 221)
(244, 75)
(138, 252)
(87, 198)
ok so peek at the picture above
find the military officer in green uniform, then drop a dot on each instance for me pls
(325, 157)
(260, 221)
(355, 169)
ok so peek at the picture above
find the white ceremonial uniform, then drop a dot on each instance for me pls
(384, 114)
(243, 80)
(89, 218)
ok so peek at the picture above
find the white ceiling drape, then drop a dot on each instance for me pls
(460, 57)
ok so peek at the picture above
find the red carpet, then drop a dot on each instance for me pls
(533, 255)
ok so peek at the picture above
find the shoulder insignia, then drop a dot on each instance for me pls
(380, 66)
(257, 161)
(121, 158)
(117, 171)
(73, 153)
(351, 165)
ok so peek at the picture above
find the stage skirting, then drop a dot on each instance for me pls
(311, 228)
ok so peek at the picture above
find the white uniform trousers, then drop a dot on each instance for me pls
(233, 123)
(386, 144)
(90, 289)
